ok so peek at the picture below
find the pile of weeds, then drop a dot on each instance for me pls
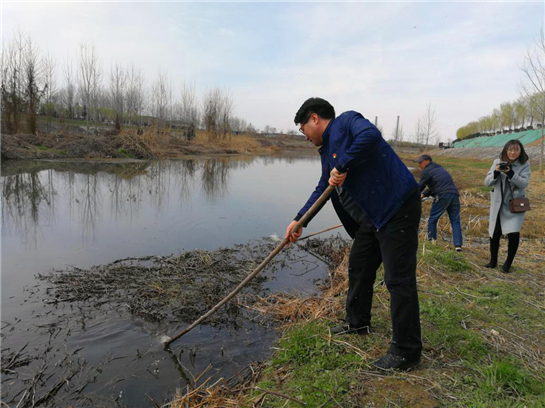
(156, 287)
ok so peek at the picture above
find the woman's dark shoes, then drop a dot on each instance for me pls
(394, 362)
(491, 264)
(505, 268)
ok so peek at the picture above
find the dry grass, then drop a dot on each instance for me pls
(148, 144)
(233, 143)
(289, 309)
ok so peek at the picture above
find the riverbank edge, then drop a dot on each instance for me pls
(132, 146)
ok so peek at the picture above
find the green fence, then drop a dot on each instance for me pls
(525, 137)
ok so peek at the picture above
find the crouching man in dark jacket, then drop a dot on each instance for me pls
(447, 198)
(378, 201)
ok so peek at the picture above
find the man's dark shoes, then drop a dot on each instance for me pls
(348, 329)
(391, 361)
(491, 265)
(505, 268)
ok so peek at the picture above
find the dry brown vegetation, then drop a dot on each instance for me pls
(151, 142)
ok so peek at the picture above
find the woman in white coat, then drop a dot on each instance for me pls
(511, 172)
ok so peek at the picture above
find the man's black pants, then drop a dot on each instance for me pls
(395, 245)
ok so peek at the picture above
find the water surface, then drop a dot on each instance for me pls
(61, 214)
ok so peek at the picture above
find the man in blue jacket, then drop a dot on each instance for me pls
(378, 201)
(440, 185)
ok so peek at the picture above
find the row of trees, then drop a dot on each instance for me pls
(524, 112)
(34, 84)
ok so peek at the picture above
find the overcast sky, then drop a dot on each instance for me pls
(381, 59)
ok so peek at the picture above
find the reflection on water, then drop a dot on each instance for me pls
(80, 214)
(29, 197)
(30, 193)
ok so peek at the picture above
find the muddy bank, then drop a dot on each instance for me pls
(131, 145)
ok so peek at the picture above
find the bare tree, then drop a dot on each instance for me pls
(251, 130)
(226, 113)
(118, 81)
(160, 96)
(48, 64)
(10, 99)
(135, 93)
(187, 109)
(210, 112)
(217, 106)
(89, 77)
(429, 126)
(238, 125)
(418, 135)
(19, 46)
(14, 81)
(32, 92)
(532, 87)
(68, 94)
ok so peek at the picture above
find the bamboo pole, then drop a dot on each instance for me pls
(311, 211)
(320, 232)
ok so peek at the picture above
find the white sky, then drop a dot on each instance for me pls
(381, 59)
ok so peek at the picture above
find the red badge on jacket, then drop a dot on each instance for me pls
(334, 155)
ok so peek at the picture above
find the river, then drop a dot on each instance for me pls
(57, 215)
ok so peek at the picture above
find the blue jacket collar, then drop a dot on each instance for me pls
(325, 135)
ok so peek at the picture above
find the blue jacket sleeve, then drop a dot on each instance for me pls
(366, 138)
(320, 188)
(424, 179)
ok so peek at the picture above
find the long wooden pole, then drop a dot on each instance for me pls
(311, 211)
(320, 232)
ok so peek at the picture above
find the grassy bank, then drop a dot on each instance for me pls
(483, 331)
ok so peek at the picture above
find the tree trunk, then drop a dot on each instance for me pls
(541, 151)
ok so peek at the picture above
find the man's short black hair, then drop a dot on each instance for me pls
(314, 105)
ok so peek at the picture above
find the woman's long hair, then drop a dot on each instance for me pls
(523, 158)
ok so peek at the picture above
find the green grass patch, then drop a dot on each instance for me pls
(318, 368)
(43, 148)
(125, 153)
(505, 303)
(484, 189)
(446, 329)
(447, 259)
(502, 381)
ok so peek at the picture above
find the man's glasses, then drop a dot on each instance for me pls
(304, 123)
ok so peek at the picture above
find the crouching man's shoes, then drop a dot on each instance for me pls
(348, 329)
(391, 361)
